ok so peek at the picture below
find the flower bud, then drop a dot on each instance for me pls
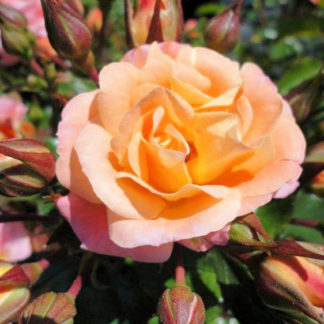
(153, 20)
(17, 40)
(76, 5)
(222, 31)
(67, 31)
(58, 308)
(12, 302)
(21, 275)
(179, 305)
(293, 286)
(50, 307)
(11, 16)
(26, 166)
(14, 293)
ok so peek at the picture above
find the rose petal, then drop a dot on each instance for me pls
(264, 99)
(193, 217)
(89, 221)
(15, 243)
(68, 170)
(117, 82)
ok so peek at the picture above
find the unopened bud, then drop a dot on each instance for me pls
(17, 40)
(14, 283)
(153, 20)
(21, 275)
(50, 307)
(222, 31)
(76, 5)
(180, 305)
(12, 302)
(67, 30)
(58, 308)
(26, 166)
(12, 16)
(293, 286)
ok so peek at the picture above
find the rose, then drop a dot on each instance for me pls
(15, 243)
(32, 10)
(175, 144)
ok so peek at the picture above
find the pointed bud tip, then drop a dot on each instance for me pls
(180, 305)
(222, 31)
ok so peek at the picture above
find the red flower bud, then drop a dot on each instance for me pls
(67, 30)
(222, 32)
(26, 166)
(179, 305)
(153, 20)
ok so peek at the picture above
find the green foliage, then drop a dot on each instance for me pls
(286, 38)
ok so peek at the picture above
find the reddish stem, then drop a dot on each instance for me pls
(239, 6)
(305, 222)
(93, 73)
(7, 217)
(56, 59)
(43, 263)
(75, 287)
(61, 100)
(180, 273)
(36, 67)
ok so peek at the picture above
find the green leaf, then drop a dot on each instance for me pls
(275, 215)
(214, 262)
(154, 320)
(303, 70)
(303, 233)
(308, 206)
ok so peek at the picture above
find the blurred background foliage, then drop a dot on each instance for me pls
(286, 38)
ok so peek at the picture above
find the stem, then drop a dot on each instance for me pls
(6, 218)
(43, 263)
(305, 222)
(239, 6)
(61, 100)
(75, 287)
(180, 273)
(36, 67)
(93, 74)
(105, 6)
(56, 59)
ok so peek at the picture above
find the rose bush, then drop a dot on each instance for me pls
(174, 145)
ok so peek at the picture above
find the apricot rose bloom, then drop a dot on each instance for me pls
(175, 144)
